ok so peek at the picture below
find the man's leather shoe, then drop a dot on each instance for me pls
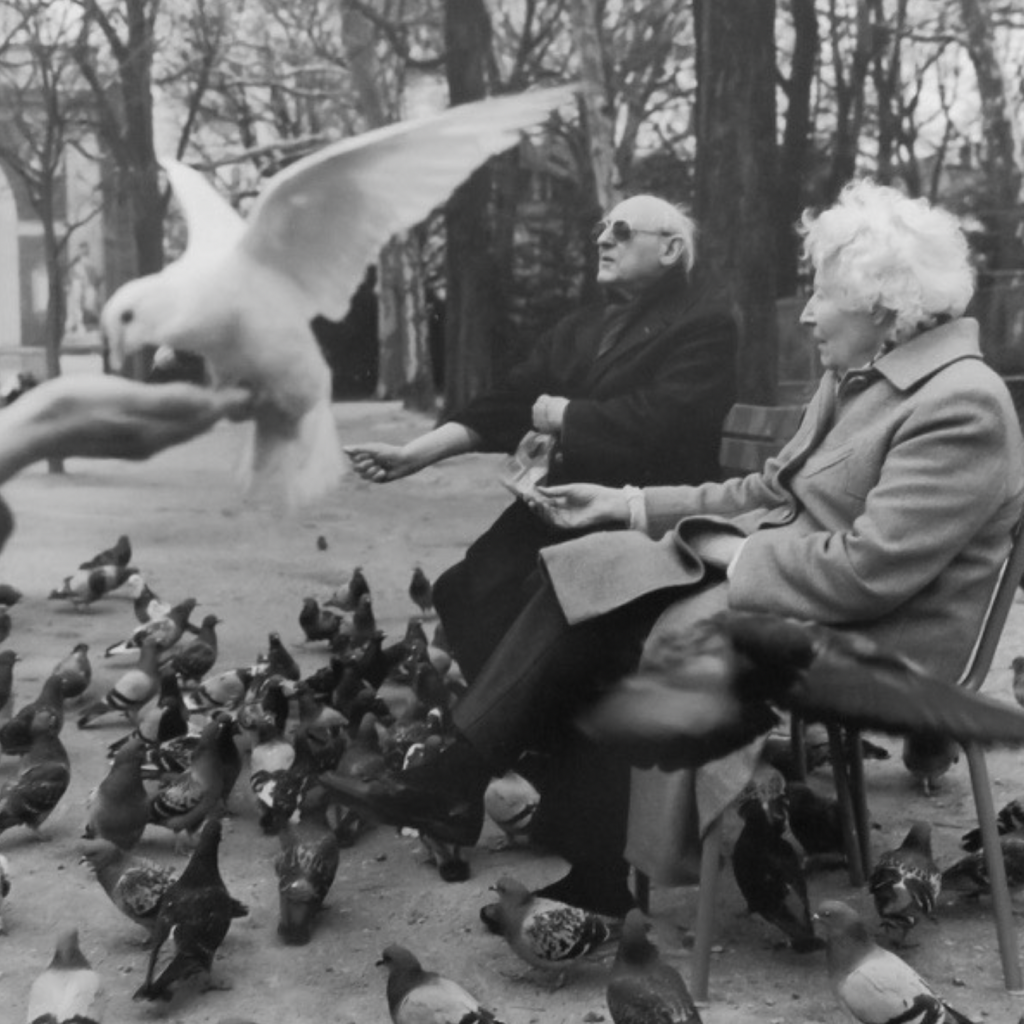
(449, 817)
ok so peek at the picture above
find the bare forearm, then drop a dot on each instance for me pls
(443, 442)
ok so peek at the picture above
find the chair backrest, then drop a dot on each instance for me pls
(999, 607)
(751, 434)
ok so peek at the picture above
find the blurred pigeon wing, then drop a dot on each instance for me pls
(213, 225)
(323, 220)
(892, 695)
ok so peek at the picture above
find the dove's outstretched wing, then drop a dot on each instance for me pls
(214, 225)
(323, 220)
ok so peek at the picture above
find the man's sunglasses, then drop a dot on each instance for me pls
(622, 231)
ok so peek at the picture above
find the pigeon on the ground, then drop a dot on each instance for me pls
(43, 777)
(69, 991)
(119, 810)
(5, 889)
(905, 882)
(421, 591)
(195, 913)
(84, 586)
(224, 691)
(192, 660)
(364, 623)
(165, 631)
(16, 734)
(767, 868)
(416, 996)
(134, 884)
(120, 553)
(511, 801)
(244, 293)
(305, 868)
(969, 875)
(929, 757)
(145, 603)
(132, 691)
(270, 761)
(874, 985)
(816, 823)
(318, 623)
(643, 988)
(710, 689)
(183, 801)
(279, 659)
(74, 671)
(347, 596)
(1009, 821)
(547, 933)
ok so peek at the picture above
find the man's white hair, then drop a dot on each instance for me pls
(880, 249)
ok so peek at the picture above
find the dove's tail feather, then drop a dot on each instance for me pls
(302, 463)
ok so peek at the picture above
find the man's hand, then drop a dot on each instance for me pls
(548, 413)
(578, 506)
(111, 417)
(381, 463)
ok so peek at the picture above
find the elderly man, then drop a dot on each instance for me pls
(616, 385)
(633, 391)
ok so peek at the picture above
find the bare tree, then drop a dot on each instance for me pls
(46, 107)
(736, 174)
(1002, 153)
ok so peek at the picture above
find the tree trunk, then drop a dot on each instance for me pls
(55, 302)
(594, 100)
(1003, 172)
(736, 173)
(796, 143)
(402, 329)
(472, 274)
(849, 101)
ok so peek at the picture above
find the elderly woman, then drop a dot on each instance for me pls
(888, 513)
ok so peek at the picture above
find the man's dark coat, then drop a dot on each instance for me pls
(648, 410)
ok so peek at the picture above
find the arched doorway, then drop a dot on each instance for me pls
(10, 280)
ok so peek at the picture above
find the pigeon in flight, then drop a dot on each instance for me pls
(244, 292)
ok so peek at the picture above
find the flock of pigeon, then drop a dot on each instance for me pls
(197, 729)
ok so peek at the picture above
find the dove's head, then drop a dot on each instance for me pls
(135, 316)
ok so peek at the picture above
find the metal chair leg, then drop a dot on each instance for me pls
(642, 890)
(798, 745)
(858, 794)
(707, 897)
(840, 773)
(1002, 908)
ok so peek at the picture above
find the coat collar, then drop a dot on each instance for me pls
(908, 364)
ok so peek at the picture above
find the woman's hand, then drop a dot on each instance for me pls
(381, 463)
(578, 506)
(104, 416)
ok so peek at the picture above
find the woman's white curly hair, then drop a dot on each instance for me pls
(880, 249)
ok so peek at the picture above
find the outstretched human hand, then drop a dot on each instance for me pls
(381, 463)
(577, 506)
(102, 416)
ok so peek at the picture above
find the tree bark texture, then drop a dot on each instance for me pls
(796, 143)
(1001, 161)
(736, 174)
(404, 368)
(471, 270)
(594, 101)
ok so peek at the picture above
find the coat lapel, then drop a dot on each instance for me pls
(658, 315)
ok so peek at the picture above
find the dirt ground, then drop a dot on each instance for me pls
(252, 567)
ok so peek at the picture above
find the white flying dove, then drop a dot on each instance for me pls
(244, 292)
